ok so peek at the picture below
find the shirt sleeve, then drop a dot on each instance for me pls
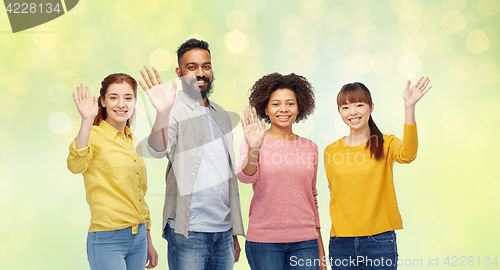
(172, 140)
(79, 159)
(247, 179)
(315, 191)
(405, 151)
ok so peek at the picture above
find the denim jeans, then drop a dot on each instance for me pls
(118, 249)
(278, 256)
(377, 251)
(200, 250)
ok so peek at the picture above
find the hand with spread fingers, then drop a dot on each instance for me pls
(413, 94)
(253, 129)
(161, 98)
(87, 109)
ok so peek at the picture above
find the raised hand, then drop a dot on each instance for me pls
(253, 129)
(87, 109)
(416, 92)
(161, 98)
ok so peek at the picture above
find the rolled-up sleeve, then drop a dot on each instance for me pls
(79, 159)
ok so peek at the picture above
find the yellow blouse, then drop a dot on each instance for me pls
(115, 179)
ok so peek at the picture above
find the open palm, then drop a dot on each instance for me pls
(87, 109)
(161, 98)
(253, 129)
(413, 94)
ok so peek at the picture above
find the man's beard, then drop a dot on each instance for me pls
(191, 88)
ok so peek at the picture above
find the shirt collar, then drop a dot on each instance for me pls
(192, 103)
(113, 132)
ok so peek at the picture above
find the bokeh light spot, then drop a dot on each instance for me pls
(454, 5)
(134, 58)
(409, 65)
(408, 24)
(78, 51)
(18, 83)
(128, 10)
(463, 67)
(361, 63)
(43, 58)
(335, 46)
(487, 74)
(415, 45)
(292, 25)
(453, 22)
(236, 19)
(60, 123)
(488, 7)
(160, 59)
(236, 42)
(381, 63)
(45, 41)
(59, 94)
(170, 23)
(477, 41)
(441, 42)
(205, 29)
(336, 21)
(490, 111)
(292, 45)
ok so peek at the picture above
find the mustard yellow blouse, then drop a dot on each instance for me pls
(114, 177)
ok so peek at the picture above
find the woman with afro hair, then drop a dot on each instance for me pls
(284, 229)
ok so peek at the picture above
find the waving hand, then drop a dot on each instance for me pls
(161, 98)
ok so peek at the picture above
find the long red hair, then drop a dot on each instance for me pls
(111, 79)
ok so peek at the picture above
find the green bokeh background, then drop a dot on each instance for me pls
(448, 196)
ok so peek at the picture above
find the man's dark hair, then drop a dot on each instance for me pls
(189, 45)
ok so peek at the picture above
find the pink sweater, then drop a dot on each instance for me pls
(284, 207)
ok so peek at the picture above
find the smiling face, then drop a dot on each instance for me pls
(282, 108)
(356, 114)
(196, 65)
(119, 102)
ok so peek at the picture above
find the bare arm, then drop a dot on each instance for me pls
(152, 257)
(254, 135)
(88, 111)
(321, 250)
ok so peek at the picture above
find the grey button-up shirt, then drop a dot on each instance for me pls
(184, 151)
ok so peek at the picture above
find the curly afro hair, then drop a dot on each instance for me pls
(262, 89)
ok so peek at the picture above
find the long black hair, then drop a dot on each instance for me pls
(358, 92)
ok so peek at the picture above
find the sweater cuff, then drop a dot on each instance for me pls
(410, 129)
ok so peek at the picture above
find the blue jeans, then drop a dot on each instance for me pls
(118, 249)
(377, 251)
(200, 250)
(277, 256)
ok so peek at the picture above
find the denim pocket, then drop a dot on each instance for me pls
(384, 237)
(333, 239)
(104, 235)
